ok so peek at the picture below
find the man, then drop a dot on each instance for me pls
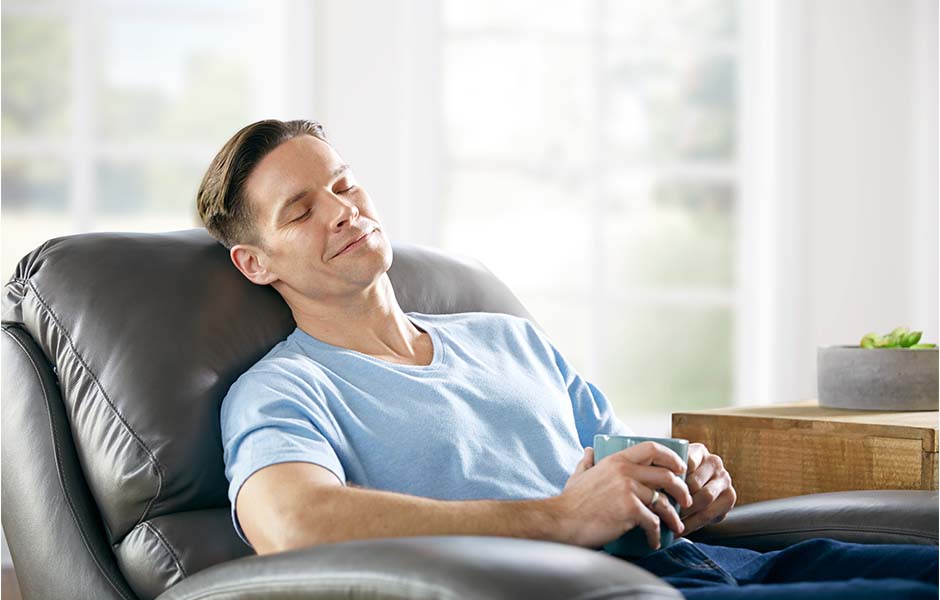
(371, 422)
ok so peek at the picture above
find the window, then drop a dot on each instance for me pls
(591, 162)
(589, 149)
(113, 109)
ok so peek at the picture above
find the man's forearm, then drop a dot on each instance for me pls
(349, 513)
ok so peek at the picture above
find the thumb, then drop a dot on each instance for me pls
(587, 461)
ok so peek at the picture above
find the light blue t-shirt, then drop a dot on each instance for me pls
(498, 414)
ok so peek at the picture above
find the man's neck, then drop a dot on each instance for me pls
(372, 324)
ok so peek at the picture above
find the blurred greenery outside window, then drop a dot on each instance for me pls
(592, 147)
(112, 110)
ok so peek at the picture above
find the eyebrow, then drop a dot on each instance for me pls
(334, 175)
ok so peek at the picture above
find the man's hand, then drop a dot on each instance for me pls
(601, 502)
(710, 485)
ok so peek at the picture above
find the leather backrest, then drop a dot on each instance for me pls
(146, 332)
(49, 517)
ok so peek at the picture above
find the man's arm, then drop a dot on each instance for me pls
(294, 505)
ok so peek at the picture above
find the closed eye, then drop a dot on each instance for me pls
(306, 212)
(347, 190)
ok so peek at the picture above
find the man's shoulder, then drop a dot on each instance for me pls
(284, 367)
(287, 355)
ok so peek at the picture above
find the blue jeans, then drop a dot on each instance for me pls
(816, 568)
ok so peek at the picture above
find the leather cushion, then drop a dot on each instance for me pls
(146, 332)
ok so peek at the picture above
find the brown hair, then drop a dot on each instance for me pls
(221, 201)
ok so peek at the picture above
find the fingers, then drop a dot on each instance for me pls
(705, 496)
(713, 501)
(648, 521)
(654, 453)
(589, 456)
(697, 453)
(668, 515)
(586, 462)
(705, 471)
(660, 478)
(662, 509)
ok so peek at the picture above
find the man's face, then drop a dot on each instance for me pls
(307, 208)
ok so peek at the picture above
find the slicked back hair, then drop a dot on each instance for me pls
(222, 202)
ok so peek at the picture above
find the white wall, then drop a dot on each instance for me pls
(868, 161)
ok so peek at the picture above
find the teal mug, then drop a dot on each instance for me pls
(633, 544)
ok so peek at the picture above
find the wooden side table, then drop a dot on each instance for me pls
(793, 449)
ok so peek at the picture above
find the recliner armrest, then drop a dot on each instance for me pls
(868, 517)
(427, 567)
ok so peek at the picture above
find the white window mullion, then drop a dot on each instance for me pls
(165, 12)
(419, 155)
(82, 159)
(38, 148)
(284, 60)
(650, 50)
(436, 141)
(723, 171)
(301, 56)
(923, 247)
(767, 337)
(694, 298)
(752, 331)
(33, 9)
(597, 188)
(271, 20)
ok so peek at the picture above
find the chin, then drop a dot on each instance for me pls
(388, 254)
(384, 260)
(372, 266)
(384, 250)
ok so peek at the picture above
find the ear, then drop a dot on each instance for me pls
(250, 261)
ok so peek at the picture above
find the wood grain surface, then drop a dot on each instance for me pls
(793, 449)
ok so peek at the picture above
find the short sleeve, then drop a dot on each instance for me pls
(265, 422)
(593, 413)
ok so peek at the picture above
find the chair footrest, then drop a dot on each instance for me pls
(868, 517)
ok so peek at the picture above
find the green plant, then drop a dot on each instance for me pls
(900, 337)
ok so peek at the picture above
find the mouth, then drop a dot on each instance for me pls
(355, 244)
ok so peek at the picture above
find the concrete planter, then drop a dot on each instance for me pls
(877, 378)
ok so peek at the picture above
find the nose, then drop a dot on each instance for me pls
(347, 211)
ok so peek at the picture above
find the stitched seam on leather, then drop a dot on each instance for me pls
(628, 590)
(167, 547)
(57, 452)
(71, 344)
(327, 581)
(854, 529)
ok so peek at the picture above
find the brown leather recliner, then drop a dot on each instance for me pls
(117, 351)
